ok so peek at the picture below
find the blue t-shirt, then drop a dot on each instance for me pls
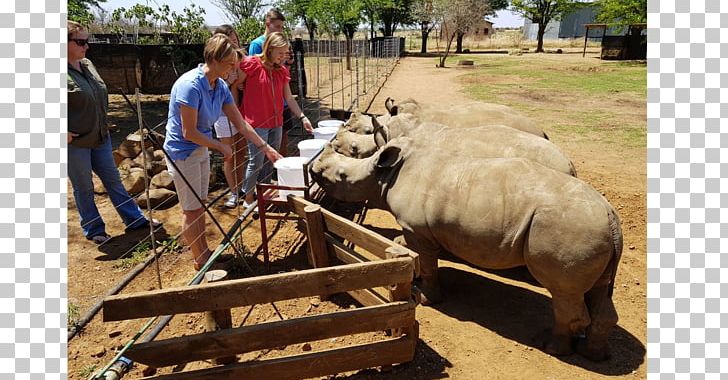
(193, 90)
(256, 45)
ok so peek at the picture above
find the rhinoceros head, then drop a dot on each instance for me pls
(357, 145)
(359, 123)
(355, 180)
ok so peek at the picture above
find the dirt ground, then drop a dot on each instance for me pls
(485, 326)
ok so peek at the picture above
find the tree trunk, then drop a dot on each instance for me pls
(459, 44)
(387, 28)
(425, 33)
(447, 51)
(540, 33)
(349, 39)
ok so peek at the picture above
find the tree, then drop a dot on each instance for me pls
(339, 17)
(238, 10)
(371, 9)
(300, 10)
(396, 12)
(249, 28)
(621, 13)
(424, 14)
(457, 16)
(493, 5)
(79, 10)
(190, 25)
(542, 12)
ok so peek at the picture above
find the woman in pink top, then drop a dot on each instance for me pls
(266, 85)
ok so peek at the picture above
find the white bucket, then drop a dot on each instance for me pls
(290, 173)
(309, 148)
(330, 123)
(325, 133)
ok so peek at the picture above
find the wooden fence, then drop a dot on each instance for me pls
(380, 279)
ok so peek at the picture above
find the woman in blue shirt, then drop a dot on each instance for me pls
(197, 100)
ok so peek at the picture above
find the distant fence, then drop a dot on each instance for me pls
(321, 71)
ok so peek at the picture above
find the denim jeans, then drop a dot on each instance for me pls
(81, 161)
(260, 169)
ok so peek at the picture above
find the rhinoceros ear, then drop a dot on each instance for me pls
(388, 104)
(389, 157)
(381, 135)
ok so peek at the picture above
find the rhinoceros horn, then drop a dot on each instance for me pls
(381, 133)
(391, 108)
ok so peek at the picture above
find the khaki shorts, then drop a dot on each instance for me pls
(196, 169)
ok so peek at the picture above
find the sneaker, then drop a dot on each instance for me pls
(99, 239)
(246, 205)
(155, 223)
(232, 201)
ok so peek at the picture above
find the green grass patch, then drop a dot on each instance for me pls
(87, 371)
(588, 78)
(143, 249)
(74, 313)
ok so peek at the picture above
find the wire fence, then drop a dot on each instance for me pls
(331, 81)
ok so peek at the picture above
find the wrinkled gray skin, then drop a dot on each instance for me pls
(362, 124)
(496, 213)
(490, 141)
(465, 115)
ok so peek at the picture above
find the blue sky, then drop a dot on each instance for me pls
(214, 16)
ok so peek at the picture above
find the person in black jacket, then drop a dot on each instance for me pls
(89, 144)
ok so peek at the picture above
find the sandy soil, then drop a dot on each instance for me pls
(484, 329)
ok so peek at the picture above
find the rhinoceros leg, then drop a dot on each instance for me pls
(570, 317)
(428, 281)
(603, 319)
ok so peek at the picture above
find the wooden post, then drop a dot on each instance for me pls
(218, 319)
(318, 256)
(401, 292)
(586, 36)
(318, 253)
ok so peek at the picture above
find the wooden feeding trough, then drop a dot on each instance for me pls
(381, 279)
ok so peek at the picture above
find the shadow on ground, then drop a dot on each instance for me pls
(520, 314)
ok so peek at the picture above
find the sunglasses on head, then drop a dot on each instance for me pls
(79, 42)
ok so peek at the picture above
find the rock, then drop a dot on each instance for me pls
(127, 164)
(149, 371)
(158, 155)
(134, 181)
(163, 180)
(118, 157)
(98, 185)
(98, 351)
(148, 156)
(114, 334)
(315, 302)
(158, 166)
(159, 198)
(130, 147)
(631, 246)
(306, 347)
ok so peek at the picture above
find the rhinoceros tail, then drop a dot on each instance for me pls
(616, 230)
(547, 138)
(572, 169)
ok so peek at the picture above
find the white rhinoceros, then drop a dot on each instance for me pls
(487, 141)
(496, 213)
(466, 115)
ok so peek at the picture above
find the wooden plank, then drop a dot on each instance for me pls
(346, 254)
(348, 230)
(273, 334)
(257, 290)
(315, 364)
(368, 297)
(315, 232)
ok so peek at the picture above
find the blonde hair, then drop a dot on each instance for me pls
(73, 28)
(273, 40)
(217, 48)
